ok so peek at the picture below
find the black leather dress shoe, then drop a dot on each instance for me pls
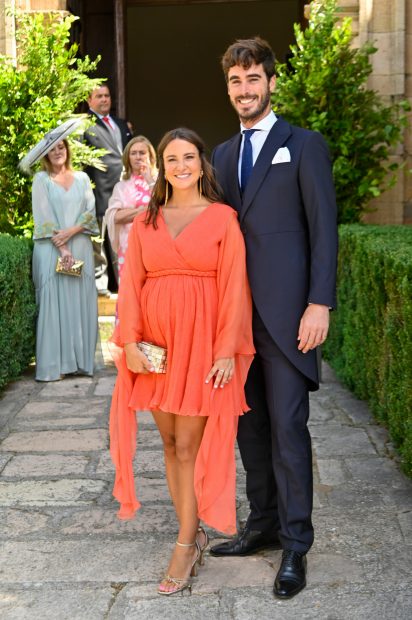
(291, 577)
(246, 543)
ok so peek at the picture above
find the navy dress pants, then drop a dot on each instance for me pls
(275, 445)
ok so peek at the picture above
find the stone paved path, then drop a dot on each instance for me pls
(64, 555)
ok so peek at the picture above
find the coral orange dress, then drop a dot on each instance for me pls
(189, 294)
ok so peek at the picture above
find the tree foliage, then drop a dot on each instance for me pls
(323, 87)
(44, 88)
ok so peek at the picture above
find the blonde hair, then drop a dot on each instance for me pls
(152, 156)
(45, 162)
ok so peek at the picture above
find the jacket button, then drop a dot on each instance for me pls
(244, 230)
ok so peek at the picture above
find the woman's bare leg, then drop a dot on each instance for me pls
(181, 438)
(165, 422)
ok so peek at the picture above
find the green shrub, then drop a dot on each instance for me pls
(370, 341)
(17, 307)
(44, 88)
(323, 87)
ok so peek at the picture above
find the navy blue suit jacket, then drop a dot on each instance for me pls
(288, 217)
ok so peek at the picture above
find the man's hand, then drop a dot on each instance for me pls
(313, 327)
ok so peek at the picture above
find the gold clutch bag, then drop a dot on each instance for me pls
(156, 355)
(75, 269)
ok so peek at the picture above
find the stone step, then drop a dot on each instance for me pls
(107, 305)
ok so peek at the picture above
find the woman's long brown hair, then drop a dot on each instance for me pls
(210, 189)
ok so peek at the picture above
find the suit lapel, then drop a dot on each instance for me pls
(108, 134)
(232, 175)
(277, 136)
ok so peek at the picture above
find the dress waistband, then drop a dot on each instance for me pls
(181, 272)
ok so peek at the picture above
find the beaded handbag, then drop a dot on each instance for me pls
(74, 270)
(155, 354)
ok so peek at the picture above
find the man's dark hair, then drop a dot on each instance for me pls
(246, 52)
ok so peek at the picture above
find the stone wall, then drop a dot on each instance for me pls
(41, 5)
(407, 177)
(7, 40)
(386, 22)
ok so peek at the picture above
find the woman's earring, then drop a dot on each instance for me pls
(200, 184)
(167, 191)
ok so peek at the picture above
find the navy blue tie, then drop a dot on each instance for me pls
(246, 165)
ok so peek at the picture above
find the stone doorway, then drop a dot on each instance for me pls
(173, 55)
(162, 58)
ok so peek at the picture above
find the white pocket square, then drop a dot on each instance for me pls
(282, 156)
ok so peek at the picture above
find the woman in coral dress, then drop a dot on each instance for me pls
(184, 288)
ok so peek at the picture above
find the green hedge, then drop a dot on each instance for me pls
(17, 307)
(370, 342)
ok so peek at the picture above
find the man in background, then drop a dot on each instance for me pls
(112, 134)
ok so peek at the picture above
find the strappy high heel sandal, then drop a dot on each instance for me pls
(202, 548)
(180, 585)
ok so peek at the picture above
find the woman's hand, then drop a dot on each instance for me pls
(136, 361)
(67, 257)
(145, 171)
(61, 237)
(223, 369)
(127, 214)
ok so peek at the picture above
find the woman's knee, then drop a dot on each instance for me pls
(169, 444)
(186, 451)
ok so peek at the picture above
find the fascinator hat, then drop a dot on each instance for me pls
(52, 137)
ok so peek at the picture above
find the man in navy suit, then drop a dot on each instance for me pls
(279, 179)
(112, 134)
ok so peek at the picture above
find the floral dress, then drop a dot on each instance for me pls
(134, 192)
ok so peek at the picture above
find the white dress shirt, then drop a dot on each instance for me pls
(258, 138)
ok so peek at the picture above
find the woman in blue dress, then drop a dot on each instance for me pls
(64, 220)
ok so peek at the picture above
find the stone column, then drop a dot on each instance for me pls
(408, 133)
(388, 24)
(350, 8)
(7, 23)
(7, 30)
(41, 5)
(383, 23)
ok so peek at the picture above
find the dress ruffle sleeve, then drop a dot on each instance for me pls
(116, 202)
(215, 470)
(233, 332)
(123, 423)
(130, 327)
(45, 220)
(87, 218)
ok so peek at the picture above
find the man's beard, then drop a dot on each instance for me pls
(259, 111)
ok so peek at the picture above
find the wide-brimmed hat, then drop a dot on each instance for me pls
(52, 137)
